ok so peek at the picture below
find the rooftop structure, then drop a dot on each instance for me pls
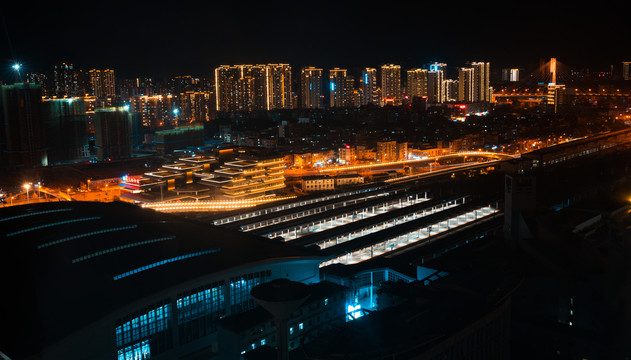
(126, 280)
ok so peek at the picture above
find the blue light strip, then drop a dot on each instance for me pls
(52, 224)
(163, 262)
(33, 214)
(85, 235)
(122, 247)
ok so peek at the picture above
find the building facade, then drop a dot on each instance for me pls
(369, 93)
(417, 83)
(391, 84)
(103, 83)
(311, 88)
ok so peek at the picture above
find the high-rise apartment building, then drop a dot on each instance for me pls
(311, 88)
(482, 87)
(113, 130)
(41, 80)
(369, 87)
(391, 84)
(66, 129)
(22, 138)
(451, 90)
(155, 111)
(253, 87)
(65, 80)
(196, 106)
(465, 84)
(278, 78)
(337, 87)
(417, 83)
(626, 70)
(103, 83)
(435, 87)
(509, 74)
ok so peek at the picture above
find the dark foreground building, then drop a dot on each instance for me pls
(114, 281)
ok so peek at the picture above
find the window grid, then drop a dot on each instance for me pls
(146, 324)
(240, 287)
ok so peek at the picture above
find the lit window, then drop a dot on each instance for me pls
(301, 326)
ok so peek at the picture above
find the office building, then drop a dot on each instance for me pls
(249, 178)
(66, 130)
(369, 87)
(112, 133)
(103, 83)
(435, 87)
(417, 83)
(22, 138)
(278, 85)
(65, 81)
(391, 84)
(115, 281)
(465, 85)
(311, 88)
(626, 70)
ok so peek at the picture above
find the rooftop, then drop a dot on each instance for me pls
(68, 264)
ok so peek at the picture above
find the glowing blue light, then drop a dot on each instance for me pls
(16, 67)
(332, 86)
(353, 311)
(126, 107)
(176, 111)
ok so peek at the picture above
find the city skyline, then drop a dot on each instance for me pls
(167, 40)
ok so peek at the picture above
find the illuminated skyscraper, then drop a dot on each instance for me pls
(369, 87)
(65, 81)
(103, 83)
(482, 88)
(465, 84)
(337, 83)
(626, 70)
(417, 83)
(391, 84)
(435, 87)
(278, 78)
(311, 88)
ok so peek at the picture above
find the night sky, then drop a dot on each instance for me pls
(181, 37)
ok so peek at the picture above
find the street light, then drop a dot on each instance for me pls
(17, 67)
(27, 186)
